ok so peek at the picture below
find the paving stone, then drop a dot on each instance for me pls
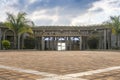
(61, 79)
(13, 75)
(61, 63)
(110, 75)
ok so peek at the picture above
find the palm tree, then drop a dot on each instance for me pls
(114, 24)
(20, 25)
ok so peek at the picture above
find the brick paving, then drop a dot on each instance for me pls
(60, 62)
(57, 62)
(13, 75)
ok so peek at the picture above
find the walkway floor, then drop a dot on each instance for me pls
(59, 64)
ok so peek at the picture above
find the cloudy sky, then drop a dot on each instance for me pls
(62, 12)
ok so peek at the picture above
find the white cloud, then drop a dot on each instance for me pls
(93, 16)
(107, 5)
(32, 1)
(5, 6)
(44, 14)
(96, 14)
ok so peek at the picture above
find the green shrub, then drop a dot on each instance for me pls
(6, 44)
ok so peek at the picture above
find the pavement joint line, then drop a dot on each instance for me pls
(61, 78)
(48, 75)
(51, 76)
(28, 71)
(87, 73)
(75, 75)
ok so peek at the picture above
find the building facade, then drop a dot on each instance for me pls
(64, 37)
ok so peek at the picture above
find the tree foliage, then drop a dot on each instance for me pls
(114, 24)
(19, 24)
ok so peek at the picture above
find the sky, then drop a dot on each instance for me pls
(62, 12)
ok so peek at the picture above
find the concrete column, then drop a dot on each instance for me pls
(38, 43)
(4, 35)
(70, 43)
(52, 41)
(83, 47)
(73, 44)
(109, 39)
(50, 44)
(43, 43)
(35, 43)
(56, 43)
(66, 42)
(100, 42)
(47, 44)
(105, 38)
(80, 43)
(83, 42)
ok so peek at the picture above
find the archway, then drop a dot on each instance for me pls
(10, 36)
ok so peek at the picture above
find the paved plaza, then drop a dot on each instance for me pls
(59, 65)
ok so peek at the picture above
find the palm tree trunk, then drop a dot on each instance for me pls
(15, 40)
(22, 44)
(18, 41)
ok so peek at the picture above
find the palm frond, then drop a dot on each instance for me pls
(114, 24)
(8, 25)
(25, 30)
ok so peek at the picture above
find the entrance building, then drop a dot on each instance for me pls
(63, 37)
(70, 37)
